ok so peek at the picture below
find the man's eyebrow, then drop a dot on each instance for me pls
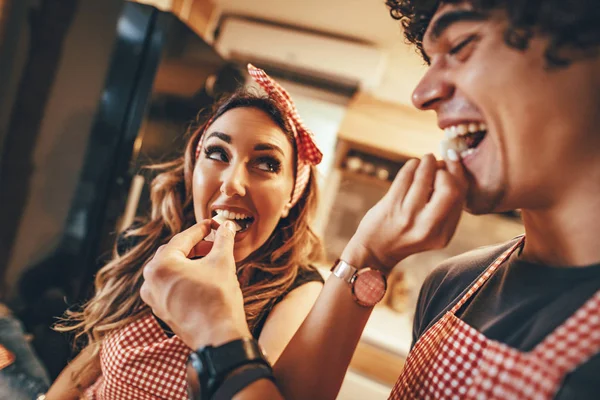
(268, 146)
(452, 17)
(223, 136)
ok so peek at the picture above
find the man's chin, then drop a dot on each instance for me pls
(480, 202)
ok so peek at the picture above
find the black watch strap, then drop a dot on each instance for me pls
(213, 364)
(242, 379)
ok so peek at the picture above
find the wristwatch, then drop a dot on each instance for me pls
(209, 366)
(368, 285)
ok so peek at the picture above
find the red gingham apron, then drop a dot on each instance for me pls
(6, 357)
(140, 362)
(452, 360)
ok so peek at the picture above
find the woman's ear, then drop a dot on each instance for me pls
(286, 210)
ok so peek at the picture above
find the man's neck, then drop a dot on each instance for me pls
(568, 233)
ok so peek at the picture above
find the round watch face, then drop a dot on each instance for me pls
(368, 287)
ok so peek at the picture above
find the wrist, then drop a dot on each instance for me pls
(219, 334)
(357, 255)
(219, 372)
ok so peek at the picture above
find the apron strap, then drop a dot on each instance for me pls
(486, 275)
(576, 340)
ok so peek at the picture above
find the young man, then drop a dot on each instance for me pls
(516, 86)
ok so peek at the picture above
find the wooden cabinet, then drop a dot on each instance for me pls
(376, 363)
(197, 14)
(388, 129)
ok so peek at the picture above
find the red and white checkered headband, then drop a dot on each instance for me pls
(307, 152)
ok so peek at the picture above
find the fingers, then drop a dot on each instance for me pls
(422, 186)
(200, 250)
(160, 249)
(403, 179)
(457, 171)
(224, 239)
(445, 206)
(185, 241)
(460, 182)
(146, 294)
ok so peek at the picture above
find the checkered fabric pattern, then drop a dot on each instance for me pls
(454, 361)
(139, 362)
(307, 151)
(6, 357)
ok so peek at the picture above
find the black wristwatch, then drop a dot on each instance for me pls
(209, 366)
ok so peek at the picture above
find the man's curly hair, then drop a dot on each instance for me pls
(572, 26)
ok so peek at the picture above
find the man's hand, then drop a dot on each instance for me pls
(419, 212)
(200, 300)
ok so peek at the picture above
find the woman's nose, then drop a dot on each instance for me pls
(433, 88)
(234, 181)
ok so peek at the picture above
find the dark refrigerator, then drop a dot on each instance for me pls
(155, 87)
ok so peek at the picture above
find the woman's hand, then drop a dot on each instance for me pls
(419, 212)
(201, 299)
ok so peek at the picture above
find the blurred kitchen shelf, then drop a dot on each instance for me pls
(390, 128)
(349, 176)
(389, 330)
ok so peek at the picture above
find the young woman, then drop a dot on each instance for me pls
(252, 162)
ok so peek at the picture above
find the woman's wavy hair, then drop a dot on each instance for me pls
(571, 26)
(268, 272)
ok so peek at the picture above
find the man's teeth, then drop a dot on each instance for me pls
(454, 131)
(457, 145)
(467, 152)
(455, 136)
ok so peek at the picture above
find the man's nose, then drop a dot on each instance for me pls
(433, 88)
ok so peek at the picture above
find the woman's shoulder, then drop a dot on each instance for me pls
(306, 274)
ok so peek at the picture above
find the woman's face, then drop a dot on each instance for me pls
(246, 171)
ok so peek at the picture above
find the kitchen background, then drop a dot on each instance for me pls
(91, 91)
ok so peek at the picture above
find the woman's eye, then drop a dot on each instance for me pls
(464, 48)
(216, 153)
(268, 165)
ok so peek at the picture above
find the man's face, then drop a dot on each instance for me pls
(534, 130)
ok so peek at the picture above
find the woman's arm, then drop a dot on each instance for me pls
(65, 387)
(314, 363)
(420, 212)
(286, 317)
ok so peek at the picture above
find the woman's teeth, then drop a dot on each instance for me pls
(231, 215)
(238, 219)
(463, 138)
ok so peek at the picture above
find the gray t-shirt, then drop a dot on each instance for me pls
(520, 305)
